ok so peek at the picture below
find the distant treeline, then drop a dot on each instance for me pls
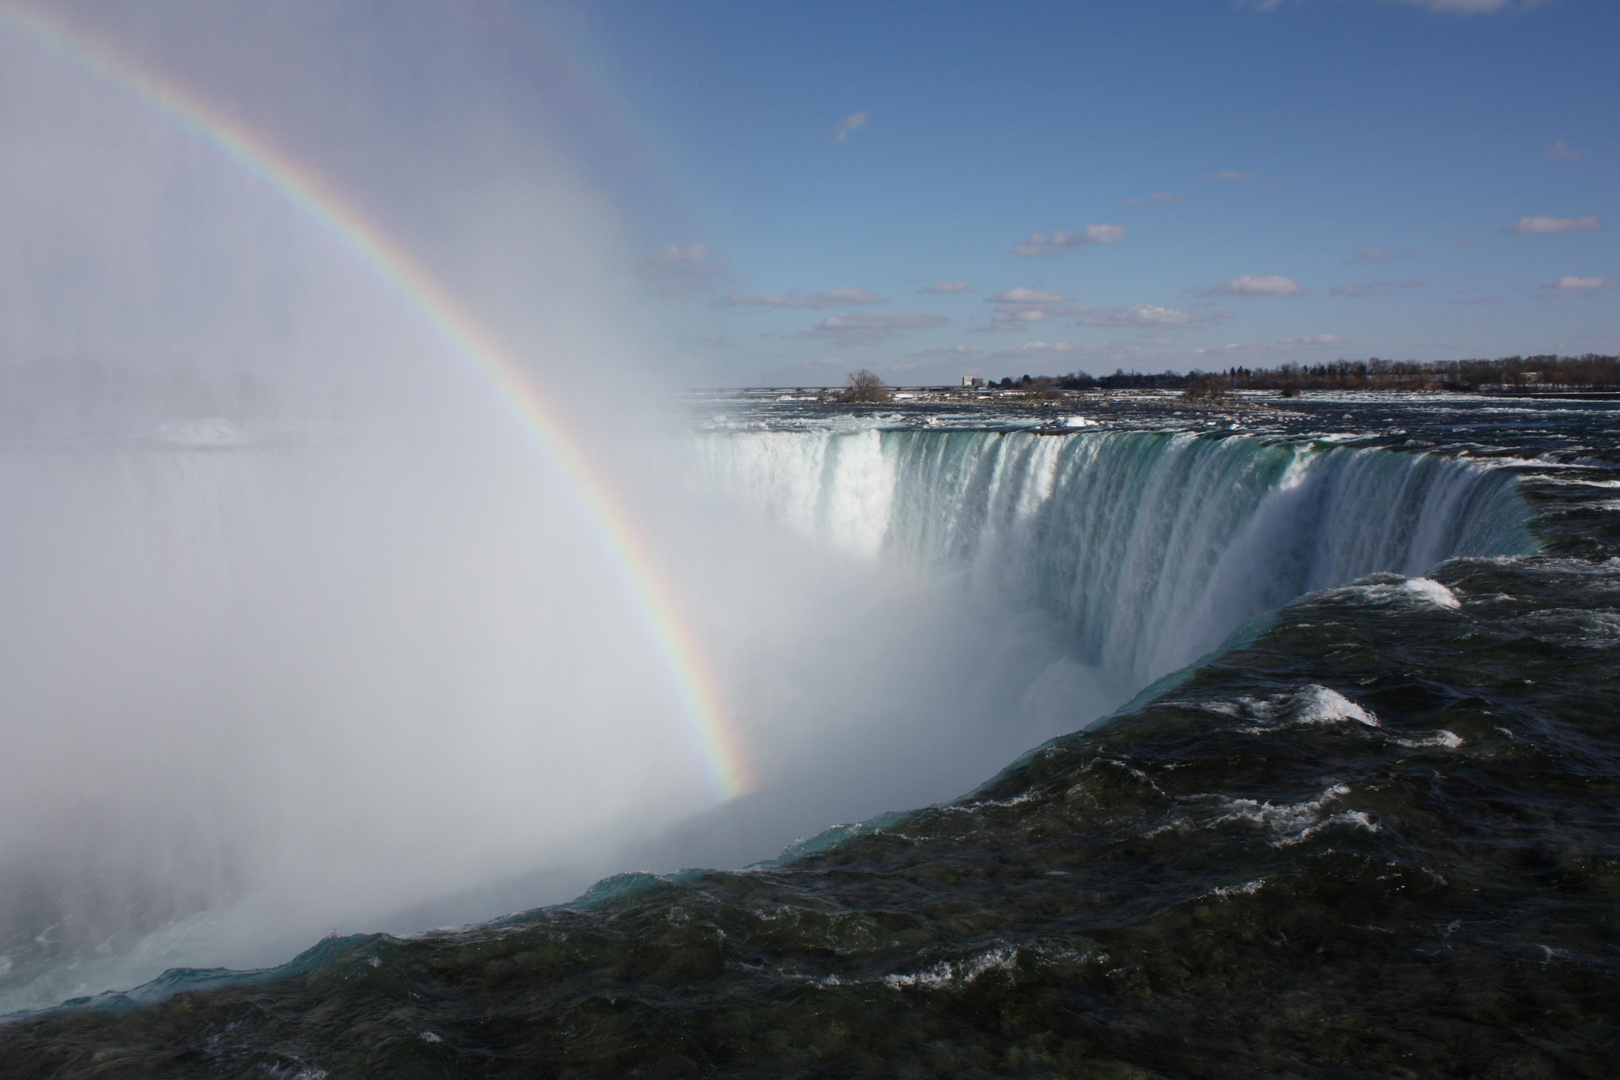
(1589, 372)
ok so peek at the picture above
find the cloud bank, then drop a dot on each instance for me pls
(1020, 307)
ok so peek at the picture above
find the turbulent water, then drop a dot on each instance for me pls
(1372, 830)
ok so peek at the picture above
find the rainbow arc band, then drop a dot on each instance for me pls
(727, 769)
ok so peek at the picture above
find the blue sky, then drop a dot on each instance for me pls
(1148, 185)
(805, 188)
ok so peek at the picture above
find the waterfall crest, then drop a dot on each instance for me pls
(1150, 546)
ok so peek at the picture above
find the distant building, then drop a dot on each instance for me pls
(970, 380)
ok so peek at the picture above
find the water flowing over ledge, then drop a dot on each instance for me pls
(1151, 546)
(1312, 815)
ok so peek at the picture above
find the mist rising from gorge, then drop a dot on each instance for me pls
(304, 628)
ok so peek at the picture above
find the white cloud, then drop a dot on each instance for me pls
(945, 287)
(947, 352)
(1577, 284)
(1015, 319)
(1158, 198)
(1535, 226)
(1144, 315)
(826, 299)
(1040, 245)
(1258, 285)
(1039, 349)
(1035, 248)
(1229, 174)
(1375, 288)
(1285, 346)
(839, 297)
(866, 328)
(1023, 296)
(678, 270)
(1093, 234)
(853, 122)
(1019, 308)
(1562, 151)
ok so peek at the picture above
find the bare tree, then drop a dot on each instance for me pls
(865, 387)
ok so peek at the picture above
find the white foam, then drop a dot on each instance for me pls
(1248, 888)
(1289, 818)
(935, 978)
(1434, 592)
(1320, 705)
(1357, 818)
(1450, 740)
(1292, 823)
(945, 973)
(1577, 481)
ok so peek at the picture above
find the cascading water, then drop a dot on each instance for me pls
(1150, 546)
(293, 640)
(1314, 810)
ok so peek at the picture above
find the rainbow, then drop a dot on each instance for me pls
(727, 768)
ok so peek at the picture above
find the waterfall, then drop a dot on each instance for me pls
(1150, 546)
